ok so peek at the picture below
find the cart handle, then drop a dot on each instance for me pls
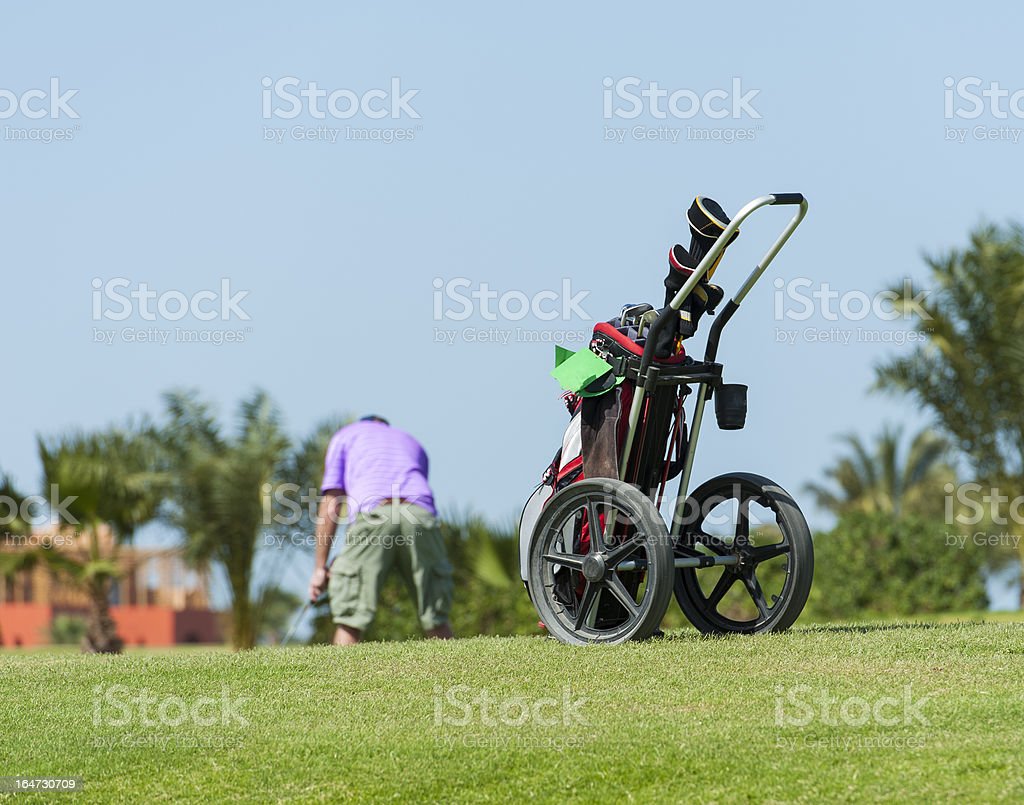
(711, 350)
(781, 199)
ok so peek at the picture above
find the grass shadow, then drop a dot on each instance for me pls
(866, 628)
(686, 634)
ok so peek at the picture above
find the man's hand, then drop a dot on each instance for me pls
(328, 515)
(318, 583)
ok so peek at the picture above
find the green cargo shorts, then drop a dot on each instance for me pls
(394, 535)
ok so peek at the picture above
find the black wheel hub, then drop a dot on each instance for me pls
(594, 568)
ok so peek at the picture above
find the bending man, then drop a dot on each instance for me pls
(382, 474)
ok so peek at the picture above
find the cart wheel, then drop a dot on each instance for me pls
(754, 519)
(605, 584)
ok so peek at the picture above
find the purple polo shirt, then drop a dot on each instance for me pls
(371, 462)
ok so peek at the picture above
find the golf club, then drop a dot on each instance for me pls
(302, 613)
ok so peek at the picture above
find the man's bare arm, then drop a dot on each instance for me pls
(328, 515)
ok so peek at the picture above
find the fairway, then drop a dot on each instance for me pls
(854, 713)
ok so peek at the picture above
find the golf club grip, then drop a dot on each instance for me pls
(652, 337)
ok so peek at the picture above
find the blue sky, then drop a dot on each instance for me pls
(508, 179)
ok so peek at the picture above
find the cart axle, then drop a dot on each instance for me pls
(683, 561)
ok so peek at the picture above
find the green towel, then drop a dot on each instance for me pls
(574, 371)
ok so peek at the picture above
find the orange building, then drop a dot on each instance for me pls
(156, 601)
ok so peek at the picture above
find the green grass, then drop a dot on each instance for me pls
(682, 718)
(974, 616)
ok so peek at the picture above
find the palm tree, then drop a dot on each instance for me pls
(10, 494)
(305, 469)
(882, 481)
(969, 372)
(110, 485)
(216, 497)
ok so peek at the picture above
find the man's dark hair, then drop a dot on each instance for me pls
(374, 418)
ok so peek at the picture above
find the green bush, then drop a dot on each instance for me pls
(875, 564)
(67, 630)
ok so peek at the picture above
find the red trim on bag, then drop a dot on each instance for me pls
(576, 463)
(628, 344)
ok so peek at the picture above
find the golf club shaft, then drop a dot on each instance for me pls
(295, 624)
(323, 596)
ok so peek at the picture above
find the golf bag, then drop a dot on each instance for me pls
(594, 439)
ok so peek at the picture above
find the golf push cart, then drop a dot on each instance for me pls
(598, 560)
